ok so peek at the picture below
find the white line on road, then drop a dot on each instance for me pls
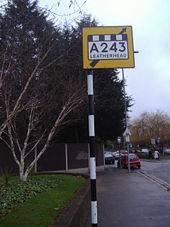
(160, 182)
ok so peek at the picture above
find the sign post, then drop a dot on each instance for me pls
(152, 141)
(92, 148)
(158, 142)
(103, 47)
(127, 139)
(119, 142)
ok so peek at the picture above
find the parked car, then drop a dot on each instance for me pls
(109, 158)
(167, 150)
(134, 161)
(123, 152)
(144, 150)
(117, 153)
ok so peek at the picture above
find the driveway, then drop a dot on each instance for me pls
(131, 200)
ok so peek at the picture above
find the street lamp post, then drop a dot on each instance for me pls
(127, 143)
(119, 142)
(127, 139)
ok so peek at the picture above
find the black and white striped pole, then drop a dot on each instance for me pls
(92, 149)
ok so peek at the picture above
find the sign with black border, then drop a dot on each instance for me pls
(108, 47)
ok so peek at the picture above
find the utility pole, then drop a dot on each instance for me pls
(125, 109)
(127, 132)
(124, 92)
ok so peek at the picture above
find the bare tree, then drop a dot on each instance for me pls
(34, 107)
(150, 125)
(31, 52)
(4, 85)
(27, 146)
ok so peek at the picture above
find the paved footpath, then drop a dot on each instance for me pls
(131, 200)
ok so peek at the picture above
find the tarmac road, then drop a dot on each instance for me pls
(159, 169)
(131, 200)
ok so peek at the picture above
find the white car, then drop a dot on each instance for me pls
(167, 150)
(109, 158)
(116, 154)
(145, 150)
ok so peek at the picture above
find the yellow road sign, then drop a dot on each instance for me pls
(108, 47)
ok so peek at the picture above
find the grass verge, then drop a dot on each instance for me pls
(41, 209)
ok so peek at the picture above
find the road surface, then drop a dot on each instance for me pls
(131, 199)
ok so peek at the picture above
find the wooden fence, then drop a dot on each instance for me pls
(58, 158)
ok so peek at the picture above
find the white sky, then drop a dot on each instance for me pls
(149, 82)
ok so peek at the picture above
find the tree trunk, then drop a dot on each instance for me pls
(23, 175)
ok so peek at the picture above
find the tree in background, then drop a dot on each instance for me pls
(150, 126)
(31, 89)
(109, 105)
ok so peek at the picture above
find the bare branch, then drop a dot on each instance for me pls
(12, 147)
(29, 129)
(36, 144)
(3, 67)
(18, 102)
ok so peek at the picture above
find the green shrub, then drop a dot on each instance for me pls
(18, 192)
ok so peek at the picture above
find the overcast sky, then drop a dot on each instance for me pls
(149, 82)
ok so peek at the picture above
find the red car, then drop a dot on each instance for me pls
(134, 161)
